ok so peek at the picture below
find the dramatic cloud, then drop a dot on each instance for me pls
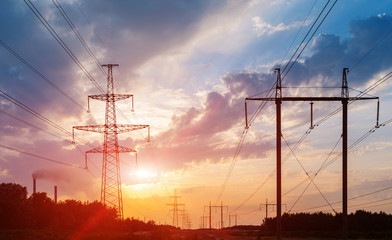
(366, 51)
(205, 131)
(147, 30)
(262, 27)
(199, 130)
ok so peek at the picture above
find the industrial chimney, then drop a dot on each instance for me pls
(34, 185)
(55, 194)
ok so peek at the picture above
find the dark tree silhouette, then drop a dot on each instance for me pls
(13, 200)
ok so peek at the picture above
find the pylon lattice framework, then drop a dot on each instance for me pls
(111, 193)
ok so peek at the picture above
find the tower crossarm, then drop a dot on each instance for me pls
(114, 97)
(125, 149)
(312, 99)
(123, 128)
(121, 149)
(98, 149)
(120, 128)
(91, 128)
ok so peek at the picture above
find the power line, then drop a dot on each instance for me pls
(370, 50)
(237, 151)
(85, 45)
(329, 115)
(314, 175)
(274, 171)
(38, 128)
(292, 64)
(310, 29)
(61, 42)
(78, 35)
(263, 103)
(370, 88)
(31, 125)
(360, 196)
(352, 146)
(41, 157)
(25, 62)
(299, 30)
(325, 165)
(63, 45)
(239, 146)
(241, 142)
(89, 23)
(311, 179)
(36, 114)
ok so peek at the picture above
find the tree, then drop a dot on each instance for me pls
(41, 210)
(13, 199)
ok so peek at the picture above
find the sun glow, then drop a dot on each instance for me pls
(143, 176)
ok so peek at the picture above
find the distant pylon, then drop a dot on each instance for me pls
(175, 209)
(111, 194)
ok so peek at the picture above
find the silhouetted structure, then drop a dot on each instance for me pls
(111, 193)
(278, 101)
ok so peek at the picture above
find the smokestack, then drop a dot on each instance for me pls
(34, 186)
(55, 194)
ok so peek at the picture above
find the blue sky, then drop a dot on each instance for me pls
(190, 65)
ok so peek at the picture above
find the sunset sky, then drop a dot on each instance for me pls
(190, 66)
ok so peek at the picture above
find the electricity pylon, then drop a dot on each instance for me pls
(175, 209)
(111, 194)
(278, 102)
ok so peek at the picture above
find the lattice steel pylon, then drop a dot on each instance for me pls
(111, 193)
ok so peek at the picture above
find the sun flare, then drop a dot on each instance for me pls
(143, 176)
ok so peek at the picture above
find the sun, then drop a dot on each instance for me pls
(143, 176)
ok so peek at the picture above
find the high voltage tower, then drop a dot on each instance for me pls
(279, 99)
(175, 209)
(111, 194)
(186, 220)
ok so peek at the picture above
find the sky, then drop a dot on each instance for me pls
(190, 65)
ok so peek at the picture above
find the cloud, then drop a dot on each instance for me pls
(364, 51)
(36, 46)
(262, 28)
(147, 30)
(200, 130)
(203, 131)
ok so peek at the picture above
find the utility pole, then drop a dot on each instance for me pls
(209, 214)
(186, 221)
(203, 221)
(278, 102)
(175, 209)
(266, 204)
(111, 193)
(221, 213)
(235, 219)
(344, 99)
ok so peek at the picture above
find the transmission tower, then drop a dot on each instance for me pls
(278, 101)
(175, 209)
(111, 194)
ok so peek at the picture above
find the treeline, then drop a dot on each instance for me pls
(18, 212)
(360, 223)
